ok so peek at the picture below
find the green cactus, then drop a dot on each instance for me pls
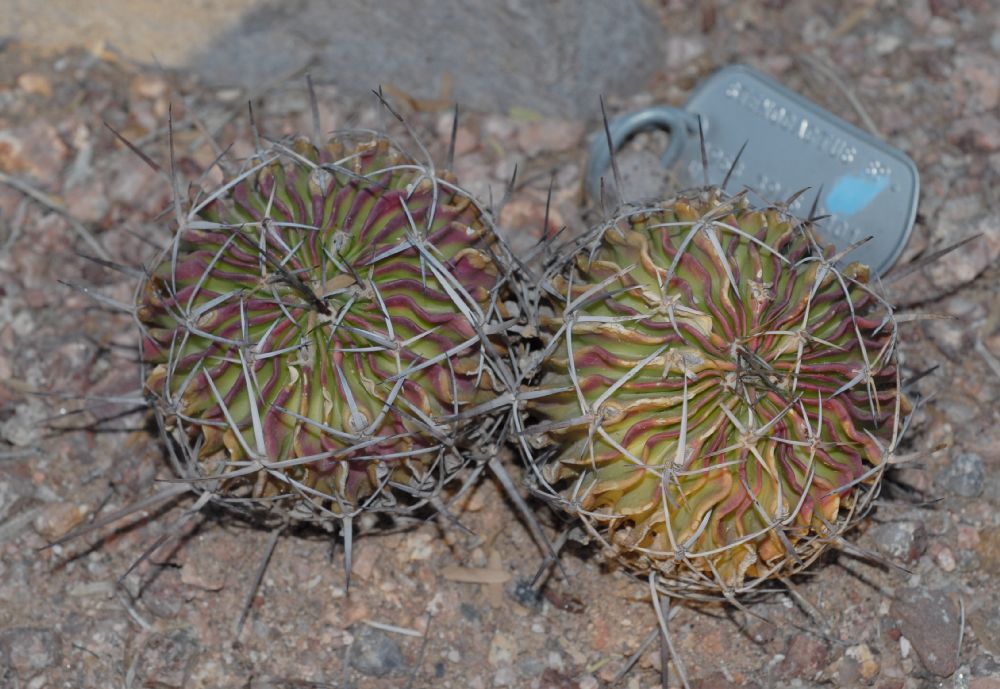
(722, 399)
(319, 325)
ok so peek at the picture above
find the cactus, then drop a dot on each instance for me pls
(721, 399)
(319, 325)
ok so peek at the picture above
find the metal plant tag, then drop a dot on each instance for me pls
(868, 188)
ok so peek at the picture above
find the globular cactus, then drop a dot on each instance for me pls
(318, 327)
(720, 399)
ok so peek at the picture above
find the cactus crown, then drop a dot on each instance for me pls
(319, 324)
(722, 398)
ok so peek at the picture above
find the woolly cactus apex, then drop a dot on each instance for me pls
(319, 324)
(722, 398)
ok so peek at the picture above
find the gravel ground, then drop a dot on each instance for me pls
(928, 75)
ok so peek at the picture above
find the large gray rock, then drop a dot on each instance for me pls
(965, 475)
(930, 620)
(554, 57)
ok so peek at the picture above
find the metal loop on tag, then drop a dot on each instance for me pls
(677, 122)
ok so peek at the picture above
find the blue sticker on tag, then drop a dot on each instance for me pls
(852, 194)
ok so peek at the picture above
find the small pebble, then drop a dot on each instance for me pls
(167, 659)
(504, 677)
(886, 43)
(805, 656)
(950, 337)
(985, 664)
(959, 219)
(902, 541)
(32, 82)
(376, 654)
(867, 665)
(683, 50)
(148, 86)
(363, 560)
(945, 559)
(503, 648)
(531, 667)
(35, 149)
(163, 594)
(992, 682)
(967, 537)
(202, 573)
(354, 611)
(549, 135)
(420, 546)
(964, 475)
(985, 622)
(979, 133)
(466, 140)
(58, 519)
